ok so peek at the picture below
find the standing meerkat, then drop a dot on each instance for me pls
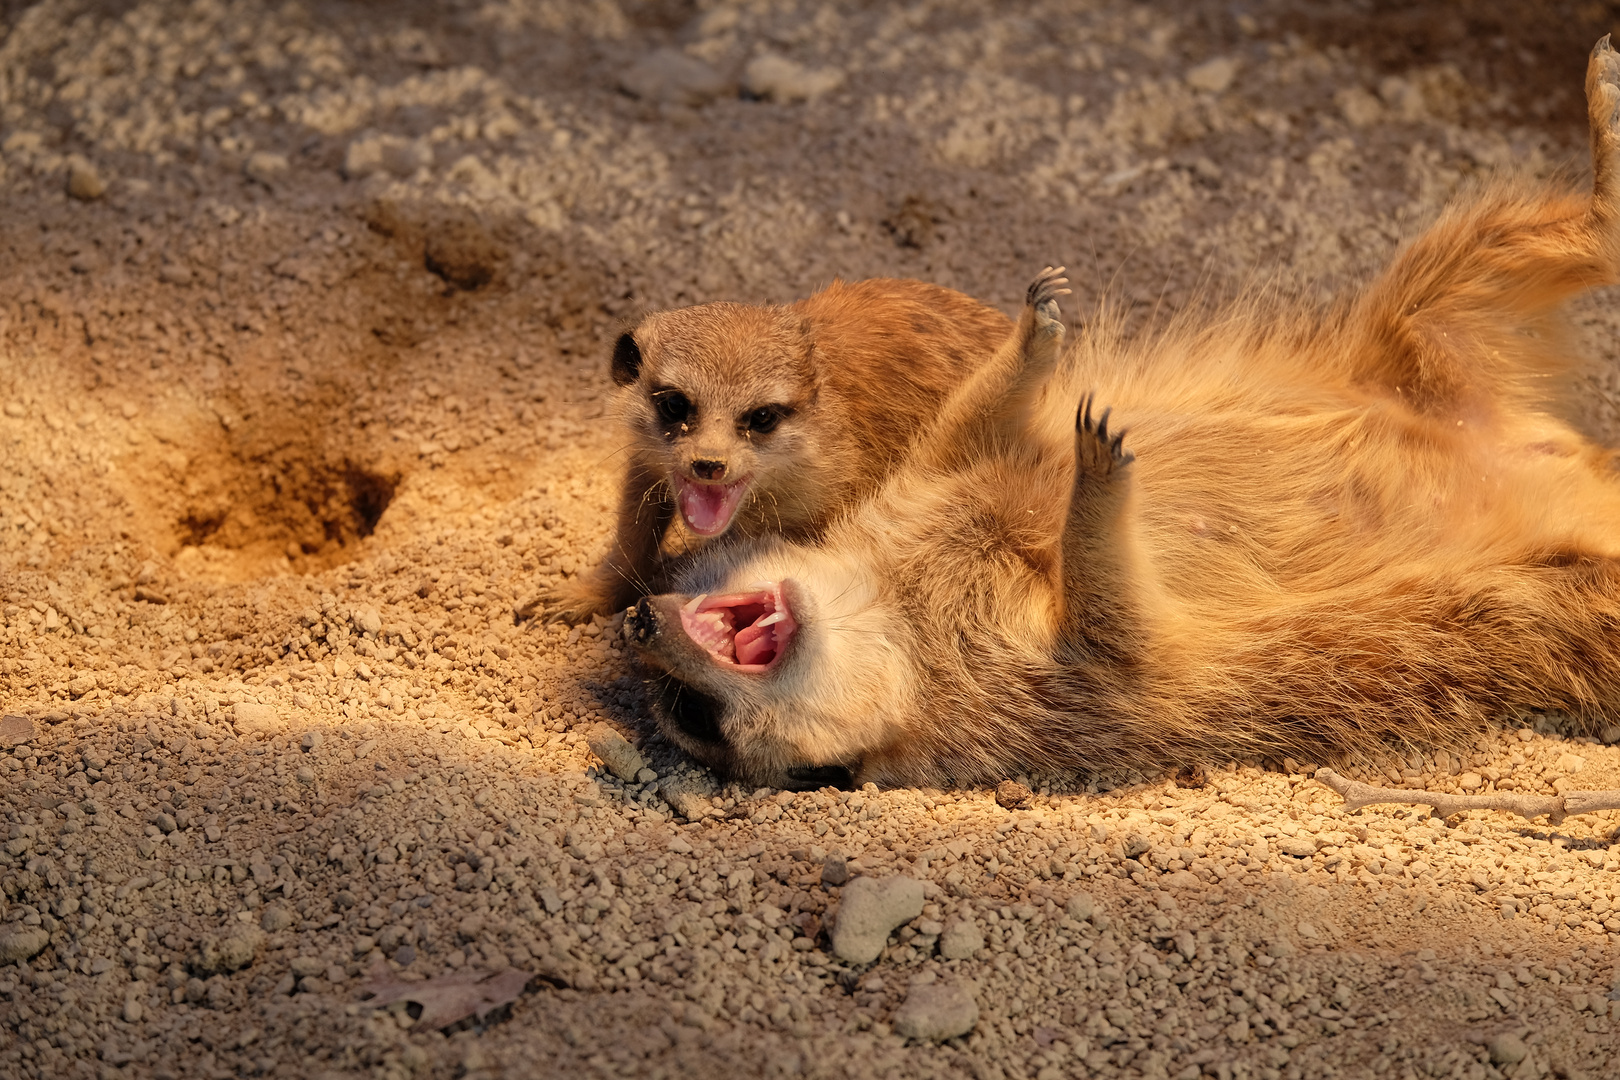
(1333, 533)
(747, 420)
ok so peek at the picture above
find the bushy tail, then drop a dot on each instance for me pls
(1466, 312)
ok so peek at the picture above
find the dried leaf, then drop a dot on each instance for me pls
(448, 998)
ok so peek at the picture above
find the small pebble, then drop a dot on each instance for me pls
(961, 940)
(936, 1011)
(83, 181)
(780, 79)
(15, 730)
(265, 166)
(672, 77)
(1011, 795)
(254, 719)
(834, 869)
(1508, 1048)
(621, 759)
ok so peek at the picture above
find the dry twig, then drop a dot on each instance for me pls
(1557, 807)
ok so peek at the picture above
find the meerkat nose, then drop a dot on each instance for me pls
(708, 469)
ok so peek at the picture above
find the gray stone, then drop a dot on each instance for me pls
(275, 918)
(669, 76)
(937, 1011)
(869, 911)
(619, 756)
(961, 940)
(1081, 906)
(684, 799)
(834, 869)
(1508, 1049)
(19, 943)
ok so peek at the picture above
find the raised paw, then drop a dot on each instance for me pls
(1044, 291)
(1603, 110)
(1098, 451)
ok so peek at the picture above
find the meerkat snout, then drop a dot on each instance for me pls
(708, 469)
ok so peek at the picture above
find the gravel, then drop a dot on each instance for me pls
(310, 399)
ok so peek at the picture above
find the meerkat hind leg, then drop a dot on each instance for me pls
(1099, 591)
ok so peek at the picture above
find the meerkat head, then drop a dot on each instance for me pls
(787, 679)
(718, 395)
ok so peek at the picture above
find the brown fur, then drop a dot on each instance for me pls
(856, 368)
(1344, 531)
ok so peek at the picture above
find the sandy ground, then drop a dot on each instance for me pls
(303, 324)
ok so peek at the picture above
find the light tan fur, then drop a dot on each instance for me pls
(1343, 531)
(853, 371)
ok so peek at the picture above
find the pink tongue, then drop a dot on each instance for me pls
(708, 508)
(755, 645)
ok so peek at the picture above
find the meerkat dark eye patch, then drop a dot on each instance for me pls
(673, 406)
(626, 366)
(764, 419)
(694, 712)
(815, 777)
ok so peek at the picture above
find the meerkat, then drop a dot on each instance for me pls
(747, 420)
(1326, 534)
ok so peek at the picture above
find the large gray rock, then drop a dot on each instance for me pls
(869, 911)
(937, 1011)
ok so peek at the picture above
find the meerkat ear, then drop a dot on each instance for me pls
(626, 366)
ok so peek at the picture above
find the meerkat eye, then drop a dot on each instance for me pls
(672, 406)
(765, 418)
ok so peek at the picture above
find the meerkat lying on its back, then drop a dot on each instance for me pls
(1340, 531)
(753, 420)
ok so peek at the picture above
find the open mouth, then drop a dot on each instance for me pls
(708, 509)
(749, 631)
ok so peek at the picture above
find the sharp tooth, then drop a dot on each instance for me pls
(692, 604)
(772, 619)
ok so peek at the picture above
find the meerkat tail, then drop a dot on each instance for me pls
(993, 406)
(1101, 614)
(1445, 325)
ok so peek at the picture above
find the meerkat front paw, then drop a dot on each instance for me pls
(572, 601)
(1603, 110)
(1096, 450)
(1042, 296)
